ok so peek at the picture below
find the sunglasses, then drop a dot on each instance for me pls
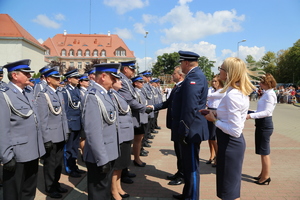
(220, 68)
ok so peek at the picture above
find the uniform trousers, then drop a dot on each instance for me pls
(22, 183)
(99, 183)
(71, 151)
(190, 160)
(230, 158)
(53, 167)
(177, 149)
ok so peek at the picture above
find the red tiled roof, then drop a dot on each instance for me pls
(109, 43)
(10, 28)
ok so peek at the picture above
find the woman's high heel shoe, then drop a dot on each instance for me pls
(256, 178)
(139, 165)
(263, 183)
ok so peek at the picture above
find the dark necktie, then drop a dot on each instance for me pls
(24, 93)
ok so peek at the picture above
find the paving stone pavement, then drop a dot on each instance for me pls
(151, 183)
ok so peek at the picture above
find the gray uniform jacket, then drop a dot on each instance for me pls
(20, 136)
(102, 145)
(126, 132)
(38, 87)
(54, 126)
(147, 91)
(142, 118)
(128, 92)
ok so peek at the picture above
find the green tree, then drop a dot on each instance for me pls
(268, 62)
(165, 64)
(206, 65)
(254, 66)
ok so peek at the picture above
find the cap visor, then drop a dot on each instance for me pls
(116, 75)
(27, 70)
(56, 75)
(132, 67)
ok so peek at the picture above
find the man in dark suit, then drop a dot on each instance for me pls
(21, 143)
(73, 110)
(189, 126)
(100, 118)
(54, 128)
(178, 77)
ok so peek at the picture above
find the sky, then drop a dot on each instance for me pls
(212, 28)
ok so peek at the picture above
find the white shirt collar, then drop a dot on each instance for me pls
(101, 87)
(20, 89)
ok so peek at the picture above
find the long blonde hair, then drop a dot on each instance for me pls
(237, 75)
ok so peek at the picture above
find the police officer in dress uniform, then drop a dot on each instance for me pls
(42, 84)
(99, 117)
(84, 83)
(73, 109)
(91, 76)
(148, 93)
(157, 99)
(54, 128)
(21, 143)
(178, 77)
(189, 126)
(129, 94)
(1, 77)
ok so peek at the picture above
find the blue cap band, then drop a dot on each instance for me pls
(91, 72)
(136, 79)
(101, 69)
(83, 77)
(10, 69)
(51, 73)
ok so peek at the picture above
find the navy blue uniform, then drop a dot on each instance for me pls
(190, 127)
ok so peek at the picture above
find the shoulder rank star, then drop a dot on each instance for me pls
(192, 82)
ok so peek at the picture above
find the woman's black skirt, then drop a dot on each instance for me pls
(230, 158)
(263, 131)
(124, 159)
(212, 128)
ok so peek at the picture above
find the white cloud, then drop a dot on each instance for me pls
(202, 48)
(41, 41)
(123, 6)
(60, 17)
(183, 2)
(145, 64)
(139, 28)
(45, 21)
(149, 18)
(124, 33)
(188, 26)
(256, 52)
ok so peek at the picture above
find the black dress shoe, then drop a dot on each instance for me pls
(172, 177)
(126, 180)
(145, 144)
(157, 127)
(79, 171)
(149, 141)
(177, 181)
(55, 195)
(124, 195)
(131, 175)
(178, 196)
(154, 131)
(74, 174)
(139, 165)
(150, 136)
(143, 154)
(144, 150)
(61, 190)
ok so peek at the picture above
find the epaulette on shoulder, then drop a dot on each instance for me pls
(92, 91)
(4, 89)
(44, 90)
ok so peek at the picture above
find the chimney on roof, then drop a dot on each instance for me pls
(65, 32)
(108, 33)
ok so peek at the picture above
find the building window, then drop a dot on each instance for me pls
(95, 54)
(47, 52)
(64, 65)
(87, 63)
(71, 53)
(103, 53)
(71, 64)
(87, 53)
(79, 65)
(123, 53)
(63, 52)
(79, 53)
(118, 53)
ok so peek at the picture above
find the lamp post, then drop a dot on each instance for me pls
(146, 48)
(238, 46)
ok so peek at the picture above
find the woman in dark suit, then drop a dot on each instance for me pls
(264, 126)
(229, 119)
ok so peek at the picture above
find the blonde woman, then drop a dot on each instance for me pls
(229, 120)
